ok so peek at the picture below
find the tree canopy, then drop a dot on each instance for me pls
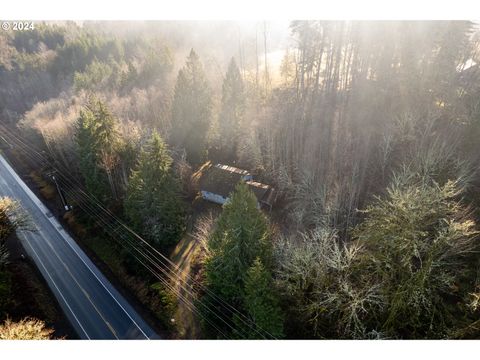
(99, 143)
(153, 198)
(191, 109)
(239, 253)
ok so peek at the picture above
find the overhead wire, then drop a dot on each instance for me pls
(156, 253)
(188, 303)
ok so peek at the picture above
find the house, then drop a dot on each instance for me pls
(265, 193)
(217, 182)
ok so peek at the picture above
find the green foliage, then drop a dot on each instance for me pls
(168, 301)
(52, 36)
(156, 65)
(323, 288)
(261, 302)
(99, 143)
(98, 76)
(328, 138)
(76, 54)
(406, 274)
(240, 237)
(153, 200)
(191, 109)
(421, 243)
(233, 110)
(152, 68)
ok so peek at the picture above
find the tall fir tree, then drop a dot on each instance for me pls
(232, 112)
(261, 303)
(153, 201)
(240, 237)
(191, 110)
(99, 143)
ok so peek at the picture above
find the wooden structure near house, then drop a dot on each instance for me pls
(265, 193)
(217, 182)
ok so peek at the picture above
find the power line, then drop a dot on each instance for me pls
(166, 283)
(156, 253)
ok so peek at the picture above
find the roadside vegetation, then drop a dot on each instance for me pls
(27, 328)
(368, 131)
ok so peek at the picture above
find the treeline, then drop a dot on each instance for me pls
(13, 218)
(368, 130)
(8, 224)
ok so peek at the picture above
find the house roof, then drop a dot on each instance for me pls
(263, 192)
(222, 179)
(232, 169)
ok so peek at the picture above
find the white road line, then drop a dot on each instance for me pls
(64, 235)
(85, 293)
(56, 287)
(105, 287)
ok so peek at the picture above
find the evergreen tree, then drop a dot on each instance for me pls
(261, 303)
(153, 200)
(191, 109)
(422, 250)
(233, 110)
(241, 235)
(99, 143)
(95, 179)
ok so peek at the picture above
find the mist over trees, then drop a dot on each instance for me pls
(191, 110)
(367, 130)
(232, 111)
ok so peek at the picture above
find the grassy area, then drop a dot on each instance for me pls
(183, 256)
(47, 190)
(188, 255)
(106, 251)
(153, 295)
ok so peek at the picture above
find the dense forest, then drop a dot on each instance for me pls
(368, 131)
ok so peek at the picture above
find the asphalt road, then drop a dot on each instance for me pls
(94, 308)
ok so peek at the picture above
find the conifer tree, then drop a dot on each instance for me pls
(99, 143)
(153, 200)
(233, 110)
(240, 237)
(261, 303)
(191, 112)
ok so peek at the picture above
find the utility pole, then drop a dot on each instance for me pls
(60, 192)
